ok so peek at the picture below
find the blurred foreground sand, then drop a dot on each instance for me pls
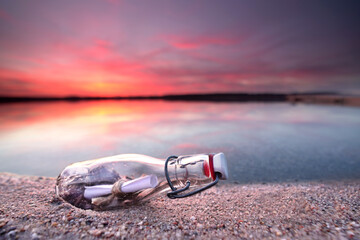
(331, 210)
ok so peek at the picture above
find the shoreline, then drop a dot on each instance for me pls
(292, 98)
(29, 209)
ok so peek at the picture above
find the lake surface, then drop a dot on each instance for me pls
(263, 142)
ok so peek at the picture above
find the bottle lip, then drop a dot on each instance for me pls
(220, 165)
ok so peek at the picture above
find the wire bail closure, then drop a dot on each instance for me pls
(175, 192)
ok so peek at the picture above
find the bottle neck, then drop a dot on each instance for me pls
(188, 168)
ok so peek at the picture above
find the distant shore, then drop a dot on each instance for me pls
(29, 209)
(216, 97)
(325, 99)
(309, 98)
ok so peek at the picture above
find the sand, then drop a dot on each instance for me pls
(29, 209)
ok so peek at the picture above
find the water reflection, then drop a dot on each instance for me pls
(263, 142)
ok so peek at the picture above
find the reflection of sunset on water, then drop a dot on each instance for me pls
(52, 135)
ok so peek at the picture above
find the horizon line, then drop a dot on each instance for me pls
(166, 95)
(214, 97)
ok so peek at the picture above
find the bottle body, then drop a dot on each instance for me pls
(126, 179)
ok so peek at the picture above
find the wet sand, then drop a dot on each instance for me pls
(29, 209)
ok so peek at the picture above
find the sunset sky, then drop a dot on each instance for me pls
(127, 48)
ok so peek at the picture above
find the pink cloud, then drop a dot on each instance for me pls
(184, 42)
(100, 49)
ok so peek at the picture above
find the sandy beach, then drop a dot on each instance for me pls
(29, 209)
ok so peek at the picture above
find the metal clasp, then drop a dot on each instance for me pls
(175, 192)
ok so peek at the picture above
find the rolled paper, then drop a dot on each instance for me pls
(149, 181)
(97, 191)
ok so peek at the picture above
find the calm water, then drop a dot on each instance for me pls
(263, 142)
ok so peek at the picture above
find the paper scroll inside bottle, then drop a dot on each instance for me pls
(141, 183)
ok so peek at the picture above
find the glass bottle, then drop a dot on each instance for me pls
(120, 180)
